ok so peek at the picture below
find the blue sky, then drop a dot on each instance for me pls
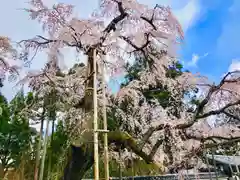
(215, 35)
(211, 32)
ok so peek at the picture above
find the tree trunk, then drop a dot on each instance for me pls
(79, 162)
(36, 170)
(44, 152)
(81, 158)
(50, 153)
(2, 174)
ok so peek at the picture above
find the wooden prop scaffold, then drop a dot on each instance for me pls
(92, 70)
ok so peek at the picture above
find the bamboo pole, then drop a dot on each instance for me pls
(95, 117)
(39, 148)
(51, 153)
(106, 158)
(44, 152)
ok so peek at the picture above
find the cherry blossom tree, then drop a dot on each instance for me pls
(147, 34)
(180, 131)
(8, 56)
(147, 127)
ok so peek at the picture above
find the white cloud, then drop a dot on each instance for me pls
(195, 59)
(188, 14)
(235, 65)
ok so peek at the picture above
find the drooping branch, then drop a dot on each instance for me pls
(40, 41)
(213, 89)
(231, 115)
(199, 114)
(218, 111)
(213, 138)
(223, 143)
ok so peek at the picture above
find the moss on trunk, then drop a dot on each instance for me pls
(127, 141)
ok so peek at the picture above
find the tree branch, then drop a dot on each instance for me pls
(112, 25)
(219, 111)
(155, 148)
(150, 21)
(198, 113)
(125, 140)
(227, 142)
(231, 115)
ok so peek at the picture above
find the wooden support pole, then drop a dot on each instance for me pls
(36, 170)
(106, 158)
(95, 116)
(44, 151)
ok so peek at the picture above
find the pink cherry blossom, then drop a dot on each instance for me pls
(8, 56)
(121, 29)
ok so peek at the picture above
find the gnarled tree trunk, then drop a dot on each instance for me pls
(81, 159)
(79, 162)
